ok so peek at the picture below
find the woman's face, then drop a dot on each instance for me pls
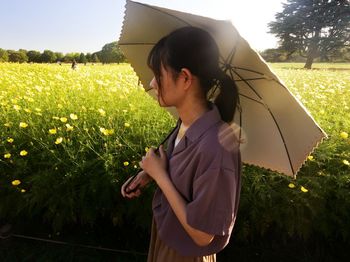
(169, 93)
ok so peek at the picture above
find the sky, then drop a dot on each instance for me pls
(87, 25)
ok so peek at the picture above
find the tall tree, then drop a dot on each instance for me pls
(313, 27)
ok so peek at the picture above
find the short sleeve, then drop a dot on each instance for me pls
(215, 201)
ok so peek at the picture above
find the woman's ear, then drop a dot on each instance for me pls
(187, 77)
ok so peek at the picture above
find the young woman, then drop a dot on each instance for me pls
(198, 176)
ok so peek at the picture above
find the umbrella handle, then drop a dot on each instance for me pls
(134, 176)
(156, 151)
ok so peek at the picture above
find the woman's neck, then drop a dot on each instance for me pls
(190, 112)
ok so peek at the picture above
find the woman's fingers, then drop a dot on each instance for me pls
(162, 152)
(127, 188)
(122, 190)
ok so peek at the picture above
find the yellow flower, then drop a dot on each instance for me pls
(291, 185)
(10, 140)
(69, 127)
(126, 163)
(146, 149)
(27, 110)
(23, 153)
(58, 140)
(102, 112)
(52, 131)
(60, 106)
(16, 182)
(311, 158)
(127, 125)
(7, 155)
(17, 107)
(38, 109)
(63, 119)
(55, 117)
(7, 124)
(346, 162)
(23, 190)
(303, 189)
(23, 125)
(73, 116)
(344, 135)
(106, 132)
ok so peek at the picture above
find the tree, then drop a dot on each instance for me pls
(34, 56)
(59, 56)
(313, 27)
(48, 56)
(17, 56)
(88, 57)
(95, 58)
(111, 53)
(4, 57)
(82, 58)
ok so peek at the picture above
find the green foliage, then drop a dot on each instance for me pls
(34, 56)
(17, 56)
(82, 58)
(59, 56)
(4, 57)
(313, 28)
(111, 53)
(95, 58)
(48, 57)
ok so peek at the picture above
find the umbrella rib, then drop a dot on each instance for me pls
(257, 101)
(136, 43)
(250, 79)
(249, 70)
(161, 11)
(274, 119)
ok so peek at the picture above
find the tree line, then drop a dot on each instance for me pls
(280, 55)
(110, 53)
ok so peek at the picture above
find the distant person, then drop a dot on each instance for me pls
(74, 65)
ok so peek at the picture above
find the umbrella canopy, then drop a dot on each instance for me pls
(277, 131)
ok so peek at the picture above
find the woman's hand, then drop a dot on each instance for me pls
(155, 166)
(140, 181)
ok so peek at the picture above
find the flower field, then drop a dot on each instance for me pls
(69, 138)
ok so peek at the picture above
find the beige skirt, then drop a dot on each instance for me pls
(159, 252)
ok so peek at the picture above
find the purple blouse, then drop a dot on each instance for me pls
(205, 168)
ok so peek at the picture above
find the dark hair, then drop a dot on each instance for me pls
(193, 48)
